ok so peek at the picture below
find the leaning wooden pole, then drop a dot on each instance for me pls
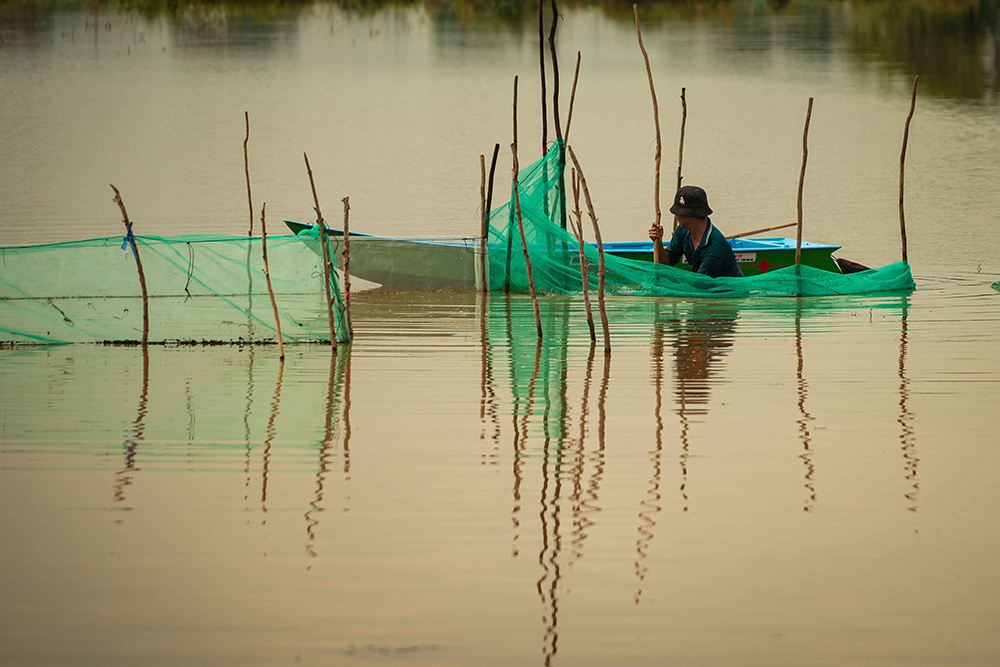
(267, 279)
(600, 253)
(902, 165)
(489, 207)
(656, 116)
(246, 169)
(680, 148)
(346, 253)
(541, 71)
(802, 180)
(524, 244)
(577, 223)
(138, 264)
(327, 268)
(572, 97)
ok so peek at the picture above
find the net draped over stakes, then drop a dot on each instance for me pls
(210, 288)
(202, 288)
(555, 261)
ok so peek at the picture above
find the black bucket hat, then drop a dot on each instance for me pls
(692, 202)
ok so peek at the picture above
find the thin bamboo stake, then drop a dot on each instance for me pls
(267, 278)
(482, 223)
(577, 224)
(572, 97)
(600, 253)
(510, 218)
(802, 178)
(326, 254)
(555, 71)
(761, 231)
(246, 168)
(541, 70)
(346, 252)
(524, 244)
(680, 149)
(656, 115)
(138, 264)
(902, 165)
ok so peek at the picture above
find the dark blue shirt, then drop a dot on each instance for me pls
(713, 257)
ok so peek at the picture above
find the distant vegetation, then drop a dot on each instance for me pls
(955, 42)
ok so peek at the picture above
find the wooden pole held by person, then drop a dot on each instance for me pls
(656, 116)
(572, 97)
(600, 254)
(267, 279)
(524, 244)
(762, 230)
(246, 169)
(346, 252)
(577, 224)
(802, 179)
(327, 267)
(680, 149)
(902, 165)
(138, 263)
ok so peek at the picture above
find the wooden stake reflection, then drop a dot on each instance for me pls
(130, 446)
(907, 437)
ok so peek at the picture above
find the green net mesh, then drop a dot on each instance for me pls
(555, 263)
(211, 289)
(206, 289)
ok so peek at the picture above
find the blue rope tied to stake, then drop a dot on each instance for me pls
(129, 240)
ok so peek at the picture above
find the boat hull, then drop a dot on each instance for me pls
(449, 264)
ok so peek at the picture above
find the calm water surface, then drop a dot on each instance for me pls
(748, 482)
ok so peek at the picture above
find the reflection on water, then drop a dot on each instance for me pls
(802, 389)
(134, 436)
(417, 408)
(907, 435)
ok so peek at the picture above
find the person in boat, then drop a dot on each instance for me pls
(696, 238)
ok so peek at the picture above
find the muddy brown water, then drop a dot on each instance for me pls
(748, 482)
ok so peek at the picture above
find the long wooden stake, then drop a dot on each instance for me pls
(802, 179)
(680, 149)
(600, 253)
(761, 231)
(267, 278)
(138, 264)
(246, 168)
(555, 71)
(572, 97)
(541, 71)
(902, 165)
(510, 218)
(482, 223)
(326, 254)
(524, 243)
(346, 252)
(656, 115)
(577, 224)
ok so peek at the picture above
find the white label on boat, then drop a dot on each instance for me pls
(744, 257)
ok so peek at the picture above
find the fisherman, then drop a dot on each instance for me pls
(706, 249)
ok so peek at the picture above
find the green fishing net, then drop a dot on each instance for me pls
(202, 288)
(555, 262)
